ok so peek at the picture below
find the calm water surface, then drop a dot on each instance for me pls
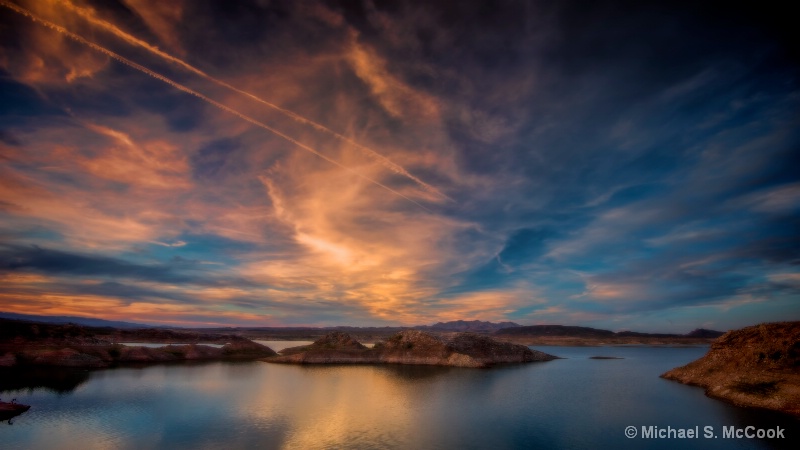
(571, 403)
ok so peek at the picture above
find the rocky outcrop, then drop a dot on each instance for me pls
(141, 355)
(334, 348)
(66, 357)
(245, 348)
(10, 410)
(48, 333)
(335, 340)
(413, 347)
(756, 366)
(98, 356)
(459, 349)
(329, 356)
(40, 344)
(704, 333)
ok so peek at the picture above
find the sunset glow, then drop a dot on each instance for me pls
(372, 164)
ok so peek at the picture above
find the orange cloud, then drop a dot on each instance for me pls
(161, 17)
(332, 237)
(50, 59)
(492, 305)
(354, 249)
(89, 211)
(110, 308)
(396, 97)
(154, 164)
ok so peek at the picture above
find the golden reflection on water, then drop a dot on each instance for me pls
(332, 407)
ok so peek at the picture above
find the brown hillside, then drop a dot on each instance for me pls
(757, 366)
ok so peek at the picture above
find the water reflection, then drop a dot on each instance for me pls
(569, 403)
(280, 345)
(55, 379)
(403, 373)
(759, 418)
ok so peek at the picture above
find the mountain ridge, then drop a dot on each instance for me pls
(77, 320)
(499, 329)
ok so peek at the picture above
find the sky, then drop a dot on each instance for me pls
(622, 165)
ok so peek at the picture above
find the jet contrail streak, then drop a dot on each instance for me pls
(183, 88)
(88, 15)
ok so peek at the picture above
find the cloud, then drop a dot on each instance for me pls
(593, 178)
(396, 98)
(783, 199)
(161, 18)
(50, 261)
(51, 61)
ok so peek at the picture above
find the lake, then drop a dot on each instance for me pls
(572, 403)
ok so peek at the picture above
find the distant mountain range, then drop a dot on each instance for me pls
(587, 332)
(475, 326)
(86, 321)
(509, 329)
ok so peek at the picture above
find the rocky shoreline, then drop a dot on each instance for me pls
(101, 356)
(40, 345)
(25, 344)
(572, 336)
(757, 366)
(412, 347)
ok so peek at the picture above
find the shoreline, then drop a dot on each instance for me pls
(751, 367)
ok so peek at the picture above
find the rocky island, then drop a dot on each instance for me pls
(757, 366)
(412, 347)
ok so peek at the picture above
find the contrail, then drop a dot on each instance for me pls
(183, 88)
(88, 15)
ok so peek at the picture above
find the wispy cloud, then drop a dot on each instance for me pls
(151, 171)
(374, 76)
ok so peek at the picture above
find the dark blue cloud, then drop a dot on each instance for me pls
(57, 263)
(20, 101)
(49, 261)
